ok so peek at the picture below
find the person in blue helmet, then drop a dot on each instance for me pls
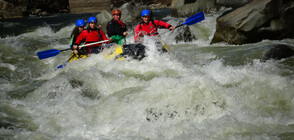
(149, 26)
(80, 25)
(90, 35)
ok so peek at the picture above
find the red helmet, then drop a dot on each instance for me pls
(116, 11)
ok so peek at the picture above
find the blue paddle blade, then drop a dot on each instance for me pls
(48, 53)
(60, 66)
(194, 19)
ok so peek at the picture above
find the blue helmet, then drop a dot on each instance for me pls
(80, 22)
(92, 19)
(145, 13)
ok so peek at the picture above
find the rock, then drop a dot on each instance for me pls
(36, 12)
(130, 12)
(44, 13)
(208, 6)
(278, 52)
(258, 20)
(13, 10)
(89, 6)
(177, 3)
(185, 35)
(232, 3)
(157, 6)
(46, 7)
(104, 17)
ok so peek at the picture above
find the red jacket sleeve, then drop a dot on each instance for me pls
(136, 32)
(104, 37)
(162, 24)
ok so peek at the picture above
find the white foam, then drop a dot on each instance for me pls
(9, 66)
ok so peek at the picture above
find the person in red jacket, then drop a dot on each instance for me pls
(148, 26)
(90, 35)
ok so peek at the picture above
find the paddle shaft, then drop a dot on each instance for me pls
(93, 43)
(54, 52)
(65, 49)
(179, 26)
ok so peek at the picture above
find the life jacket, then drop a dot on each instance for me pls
(115, 27)
(151, 30)
(89, 36)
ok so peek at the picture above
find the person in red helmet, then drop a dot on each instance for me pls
(148, 26)
(90, 35)
(116, 29)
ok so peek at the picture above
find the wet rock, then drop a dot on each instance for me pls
(185, 35)
(278, 52)
(258, 20)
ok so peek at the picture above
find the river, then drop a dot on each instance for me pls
(195, 91)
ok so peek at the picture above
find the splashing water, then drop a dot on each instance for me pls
(195, 91)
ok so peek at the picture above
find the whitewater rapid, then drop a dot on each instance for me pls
(195, 91)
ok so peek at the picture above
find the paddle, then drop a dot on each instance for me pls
(190, 20)
(193, 19)
(54, 52)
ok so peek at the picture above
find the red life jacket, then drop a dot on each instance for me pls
(150, 28)
(89, 36)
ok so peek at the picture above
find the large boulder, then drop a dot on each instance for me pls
(130, 12)
(232, 3)
(104, 17)
(278, 51)
(185, 35)
(184, 9)
(258, 20)
(13, 9)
